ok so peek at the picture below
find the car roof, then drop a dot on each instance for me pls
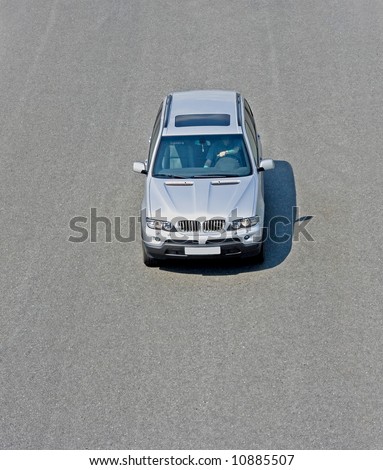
(202, 112)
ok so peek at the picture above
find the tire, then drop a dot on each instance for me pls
(148, 260)
(260, 257)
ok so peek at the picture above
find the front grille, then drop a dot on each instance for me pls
(214, 225)
(189, 225)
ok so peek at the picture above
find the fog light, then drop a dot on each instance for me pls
(157, 239)
(246, 237)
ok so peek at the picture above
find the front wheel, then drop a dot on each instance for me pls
(260, 257)
(148, 260)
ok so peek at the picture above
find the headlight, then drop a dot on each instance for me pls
(159, 224)
(246, 222)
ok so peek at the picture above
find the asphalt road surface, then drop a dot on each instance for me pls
(98, 351)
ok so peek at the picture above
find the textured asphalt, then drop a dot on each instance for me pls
(98, 351)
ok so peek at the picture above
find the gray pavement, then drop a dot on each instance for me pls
(98, 351)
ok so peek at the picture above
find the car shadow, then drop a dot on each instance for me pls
(280, 215)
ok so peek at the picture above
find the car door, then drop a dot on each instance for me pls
(154, 137)
(253, 138)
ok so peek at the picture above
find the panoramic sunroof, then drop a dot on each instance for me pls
(190, 120)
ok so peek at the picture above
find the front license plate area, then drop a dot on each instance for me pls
(202, 250)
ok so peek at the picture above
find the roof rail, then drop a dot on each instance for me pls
(239, 115)
(167, 109)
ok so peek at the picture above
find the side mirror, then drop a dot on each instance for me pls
(267, 164)
(139, 167)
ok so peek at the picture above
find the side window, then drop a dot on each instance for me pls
(247, 106)
(249, 112)
(250, 116)
(252, 140)
(156, 130)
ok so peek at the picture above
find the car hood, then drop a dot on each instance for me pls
(209, 198)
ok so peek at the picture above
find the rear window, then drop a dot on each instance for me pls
(191, 120)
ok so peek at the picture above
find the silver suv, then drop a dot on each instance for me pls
(204, 187)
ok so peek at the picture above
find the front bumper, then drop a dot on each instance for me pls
(228, 248)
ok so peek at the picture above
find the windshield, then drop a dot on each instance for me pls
(201, 157)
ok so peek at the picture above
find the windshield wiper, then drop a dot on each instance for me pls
(161, 175)
(214, 175)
